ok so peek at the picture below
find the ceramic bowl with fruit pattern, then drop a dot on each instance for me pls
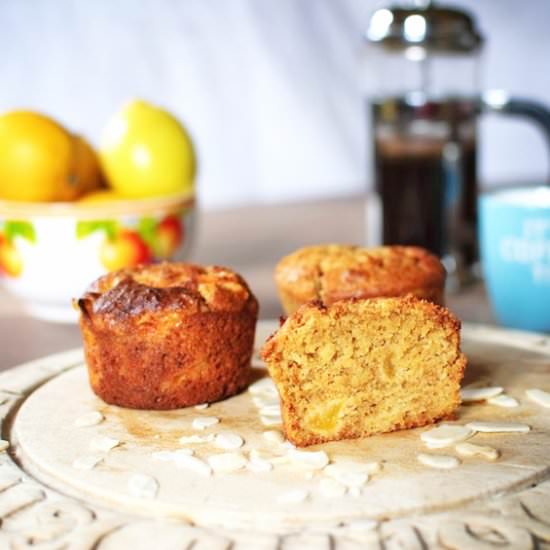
(50, 253)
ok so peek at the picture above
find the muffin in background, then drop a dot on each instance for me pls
(335, 272)
(170, 335)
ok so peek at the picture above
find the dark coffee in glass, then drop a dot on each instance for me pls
(425, 175)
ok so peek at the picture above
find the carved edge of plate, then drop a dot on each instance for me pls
(32, 514)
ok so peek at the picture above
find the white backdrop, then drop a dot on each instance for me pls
(268, 88)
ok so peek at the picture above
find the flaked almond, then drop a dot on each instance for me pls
(497, 427)
(203, 422)
(539, 397)
(227, 462)
(479, 394)
(316, 460)
(263, 386)
(228, 441)
(503, 401)
(445, 435)
(471, 449)
(442, 462)
(89, 419)
(103, 444)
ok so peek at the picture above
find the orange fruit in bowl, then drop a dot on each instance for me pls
(86, 171)
(41, 161)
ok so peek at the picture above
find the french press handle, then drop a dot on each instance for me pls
(498, 101)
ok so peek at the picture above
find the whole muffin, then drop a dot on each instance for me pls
(168, 335)
(333, 272)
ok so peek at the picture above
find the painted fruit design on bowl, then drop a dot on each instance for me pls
(11, 262)
(148, 240)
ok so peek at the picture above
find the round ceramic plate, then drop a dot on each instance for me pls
(61, 484)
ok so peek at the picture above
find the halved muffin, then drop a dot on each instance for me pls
(334, 272)
(168, 335)
(362, 367)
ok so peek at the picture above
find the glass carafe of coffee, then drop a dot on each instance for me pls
(422, 79)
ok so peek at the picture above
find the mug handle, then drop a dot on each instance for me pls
(499, 101)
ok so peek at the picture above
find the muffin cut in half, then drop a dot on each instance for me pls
(335, 272)
(166, 336)
(362, 367)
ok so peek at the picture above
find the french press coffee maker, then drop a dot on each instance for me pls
(422, 74)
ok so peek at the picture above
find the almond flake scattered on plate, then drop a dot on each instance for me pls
(349, 478)
(315, 460)
(228, 441)
(497, 427)
(262, 401)
(89, 419)
(479, 394)
(263, 386)
(271, 420)
(271, 410)
(259, 465)
(103, 444)
(503, 400)
(274, 436)
(539, 397)
(203, 422)
(445, 435)
(471, 449)
(185, 439)
(443, 462)
(227, 462)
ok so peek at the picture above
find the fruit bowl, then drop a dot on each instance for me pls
(50, 252)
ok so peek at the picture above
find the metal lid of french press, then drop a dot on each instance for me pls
(421, 23)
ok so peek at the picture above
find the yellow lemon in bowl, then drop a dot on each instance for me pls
(145, 151)
(40, 161)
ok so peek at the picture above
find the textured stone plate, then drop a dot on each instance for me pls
(479, 503)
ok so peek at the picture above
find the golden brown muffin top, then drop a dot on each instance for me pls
(182, 287)
(333, 272)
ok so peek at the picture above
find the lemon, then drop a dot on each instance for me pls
(41, 161)
(145, 151)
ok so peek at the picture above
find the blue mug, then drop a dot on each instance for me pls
(514, 231)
